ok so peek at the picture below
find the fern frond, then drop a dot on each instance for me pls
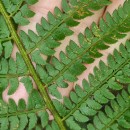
(10, 72)
(102, 103)
(4, 31)
(57, 26)
(19, 11)
(98, 90)
(114, 116)
(24, 116)
(70, 64)
(30, 68)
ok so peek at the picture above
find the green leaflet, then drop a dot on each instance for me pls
(8, 49)
(27, 83)
(13, 85)
(36, 57)
(102, 103)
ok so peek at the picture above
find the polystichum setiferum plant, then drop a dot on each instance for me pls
(102, 103)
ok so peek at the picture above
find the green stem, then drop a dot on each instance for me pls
(31, 68)
(13, 75)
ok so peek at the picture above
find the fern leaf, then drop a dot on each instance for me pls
(4, 31)
(44, 118)
(24, 116)
(102, 103)
(4, 124)
(8, 47)
(10, 71)
(27, 83)
(87, 102)
(114, 117)
(5, 43)
(88, 50)
(57, 26)
(19, 10)
(13, 85)
(23, 121)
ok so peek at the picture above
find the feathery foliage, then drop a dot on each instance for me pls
(19, 11)
(99, 38)
(96, 93)
(101, 103)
